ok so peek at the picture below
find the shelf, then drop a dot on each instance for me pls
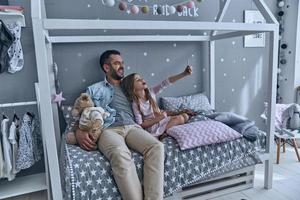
(23, 185)
(10, 17)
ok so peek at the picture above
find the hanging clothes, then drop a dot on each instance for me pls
(29, 150)
(1, 158)
(37, 140)
(15, 52)
(13, 139)
(6, 40)
(7, 151)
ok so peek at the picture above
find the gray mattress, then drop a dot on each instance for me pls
(88, 175)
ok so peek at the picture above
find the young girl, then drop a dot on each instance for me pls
(144, 105)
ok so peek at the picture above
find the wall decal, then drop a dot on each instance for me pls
(283, 47)
(183, 9)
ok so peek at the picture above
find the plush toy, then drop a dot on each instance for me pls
(294, 122)
(91, 119)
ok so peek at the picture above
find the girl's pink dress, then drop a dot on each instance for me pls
(146, 111)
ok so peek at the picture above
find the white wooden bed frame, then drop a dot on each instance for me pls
(234, 181)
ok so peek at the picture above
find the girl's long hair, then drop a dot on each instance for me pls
(127, 85)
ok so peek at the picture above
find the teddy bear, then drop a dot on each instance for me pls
(89, 117)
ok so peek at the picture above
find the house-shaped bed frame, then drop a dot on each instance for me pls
(46, 83)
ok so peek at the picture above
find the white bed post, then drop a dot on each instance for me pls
(272, 87)
(223, 6)
(272, 84)
(212, 74)
(47, 121)
(212, 80)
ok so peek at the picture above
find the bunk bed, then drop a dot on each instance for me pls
(232, 180)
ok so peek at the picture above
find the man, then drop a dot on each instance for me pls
(121, 133)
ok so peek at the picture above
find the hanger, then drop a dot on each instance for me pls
(15, 118)
(3, 115)
(30, 114)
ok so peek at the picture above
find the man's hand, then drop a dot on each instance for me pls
(85, 141)
(188, 70)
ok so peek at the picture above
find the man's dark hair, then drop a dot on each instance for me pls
(105, 56)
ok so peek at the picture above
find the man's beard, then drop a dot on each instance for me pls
(115, 75)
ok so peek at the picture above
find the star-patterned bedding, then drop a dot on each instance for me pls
(88, 175)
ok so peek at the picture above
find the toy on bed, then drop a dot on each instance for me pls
(91, 118)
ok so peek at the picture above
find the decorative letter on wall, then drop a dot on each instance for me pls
(255, 40)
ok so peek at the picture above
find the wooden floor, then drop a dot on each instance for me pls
(286, 185)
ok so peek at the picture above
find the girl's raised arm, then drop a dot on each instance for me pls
(158, 88)
(187, 71)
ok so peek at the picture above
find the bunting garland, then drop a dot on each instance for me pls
(135, 8)
(283, 47)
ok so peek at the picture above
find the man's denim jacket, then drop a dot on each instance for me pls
(102, 94)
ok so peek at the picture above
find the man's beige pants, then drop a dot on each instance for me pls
(114, 143)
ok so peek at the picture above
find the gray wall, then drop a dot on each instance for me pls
(241, 72)
(154, 61)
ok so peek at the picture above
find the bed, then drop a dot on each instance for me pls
(234, 168)
(88, 175)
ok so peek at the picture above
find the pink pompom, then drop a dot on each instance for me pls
(134, 9)
(190, 4)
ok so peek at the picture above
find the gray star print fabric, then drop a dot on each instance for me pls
(88, 175)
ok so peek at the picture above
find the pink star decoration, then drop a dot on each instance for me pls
(58, 98)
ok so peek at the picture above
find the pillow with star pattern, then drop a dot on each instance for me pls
(196, 102)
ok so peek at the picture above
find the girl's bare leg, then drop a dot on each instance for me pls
(177, 120)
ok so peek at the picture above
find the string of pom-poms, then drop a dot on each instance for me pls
(135, 9)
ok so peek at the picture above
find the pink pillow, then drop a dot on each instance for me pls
(202, 133)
